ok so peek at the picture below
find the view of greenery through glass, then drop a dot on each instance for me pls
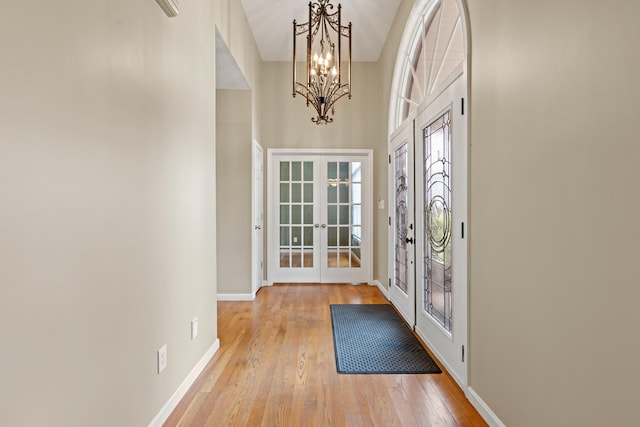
(437, 219)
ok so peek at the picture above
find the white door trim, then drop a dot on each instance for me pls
(257, 211)
(367, 214)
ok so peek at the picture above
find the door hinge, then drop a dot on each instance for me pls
(463, 354)
(389, 221)
(462, 231)
(389, 283)
(389, 158)
(462, 106)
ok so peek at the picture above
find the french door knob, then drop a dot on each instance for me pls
(257, 227)
(409, 240)
(324, 225)
(317, 225)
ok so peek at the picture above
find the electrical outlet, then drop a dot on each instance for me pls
(194, 328)
(162, 358)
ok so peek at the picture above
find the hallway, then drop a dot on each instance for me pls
(276, 367)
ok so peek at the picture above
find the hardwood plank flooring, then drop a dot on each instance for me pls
(276, 367)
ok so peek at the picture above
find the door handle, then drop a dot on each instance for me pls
(409, 240)
(257, 227)
(317, 226)
(324, 225)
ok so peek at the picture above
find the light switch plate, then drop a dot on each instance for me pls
(162, 358)
(194, 328)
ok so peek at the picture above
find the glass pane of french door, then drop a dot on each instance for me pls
(438, 261)
(344, 214)
(296, 214)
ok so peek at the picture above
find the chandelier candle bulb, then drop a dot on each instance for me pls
(323, 85)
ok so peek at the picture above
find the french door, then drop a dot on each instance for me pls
(433, 233)
(320, 216)
(402, 224)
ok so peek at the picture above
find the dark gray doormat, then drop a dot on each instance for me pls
(373, 339)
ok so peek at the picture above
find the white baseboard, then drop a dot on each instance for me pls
(236, 297)
(384, 291)
(489, 416)
(440, 358)
(173, 401)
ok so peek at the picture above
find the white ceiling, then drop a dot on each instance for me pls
(271, 23)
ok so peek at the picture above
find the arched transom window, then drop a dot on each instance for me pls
(431, 49)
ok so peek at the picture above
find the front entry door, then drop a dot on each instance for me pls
(401, 221)
(441, 173)
(320, 217)
(428, 246)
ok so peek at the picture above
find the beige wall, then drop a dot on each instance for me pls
(386, 65)
(235, 222)
(286, 123)
(554, 211)
(235, 173)
(554, 290)
(108, 202)
(107, 217)
(232, 24)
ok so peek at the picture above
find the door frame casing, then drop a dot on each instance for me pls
(412, 26)
(433, 334)
(367, 208)
(255, 208)
(460, 72)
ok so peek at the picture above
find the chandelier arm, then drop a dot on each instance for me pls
(312, 98)
(315, 93)
(309, 42)
(294, 57)
(339, 59)
(349, 66)
(333, 98)
(301, 28)
(302, 90)
(333, 92)
(314, 23)
(333, 20)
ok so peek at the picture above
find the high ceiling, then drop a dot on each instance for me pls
(271, 23)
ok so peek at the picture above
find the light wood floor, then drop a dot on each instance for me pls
(276, 367)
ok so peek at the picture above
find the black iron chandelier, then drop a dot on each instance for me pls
(323, 85)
